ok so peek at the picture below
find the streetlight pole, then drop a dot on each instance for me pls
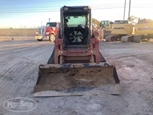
(129, 8)
(124, 10)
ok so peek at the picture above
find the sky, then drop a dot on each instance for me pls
(34, 13)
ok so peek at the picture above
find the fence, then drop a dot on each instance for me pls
(18, 32)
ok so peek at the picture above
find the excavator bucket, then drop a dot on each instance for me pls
(58, 78)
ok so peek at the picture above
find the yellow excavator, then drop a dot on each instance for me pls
(142, 31)
(119, 28)
(76, 61)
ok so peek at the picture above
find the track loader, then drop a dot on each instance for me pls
(76, 61)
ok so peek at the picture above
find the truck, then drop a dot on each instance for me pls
(40, 33)
(48, 32)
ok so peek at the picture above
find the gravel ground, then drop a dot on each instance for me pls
(19, 60)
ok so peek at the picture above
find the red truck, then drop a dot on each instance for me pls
(48, 32)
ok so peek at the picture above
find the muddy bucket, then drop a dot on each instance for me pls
(56, 77)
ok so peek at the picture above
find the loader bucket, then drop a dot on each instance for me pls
(56, 77)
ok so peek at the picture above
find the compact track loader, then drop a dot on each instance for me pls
(76, 61)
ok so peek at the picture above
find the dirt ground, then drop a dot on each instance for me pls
(19, 60)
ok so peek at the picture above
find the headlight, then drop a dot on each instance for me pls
(47, 32)
(85, 8)
(66, 8)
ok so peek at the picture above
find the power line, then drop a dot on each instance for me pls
(58, 8)
(50, 10)
(34, 1)
(55, 6)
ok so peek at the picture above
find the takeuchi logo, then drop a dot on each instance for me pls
(20, 104)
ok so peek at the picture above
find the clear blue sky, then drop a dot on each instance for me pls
(33, 13)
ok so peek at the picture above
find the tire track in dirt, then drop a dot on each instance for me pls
(134, 65)
(134, 99)
(16, 72)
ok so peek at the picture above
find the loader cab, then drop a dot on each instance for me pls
(76, 26)
(105, 24)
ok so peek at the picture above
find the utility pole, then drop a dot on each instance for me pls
(129, 8)
(124, 10)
